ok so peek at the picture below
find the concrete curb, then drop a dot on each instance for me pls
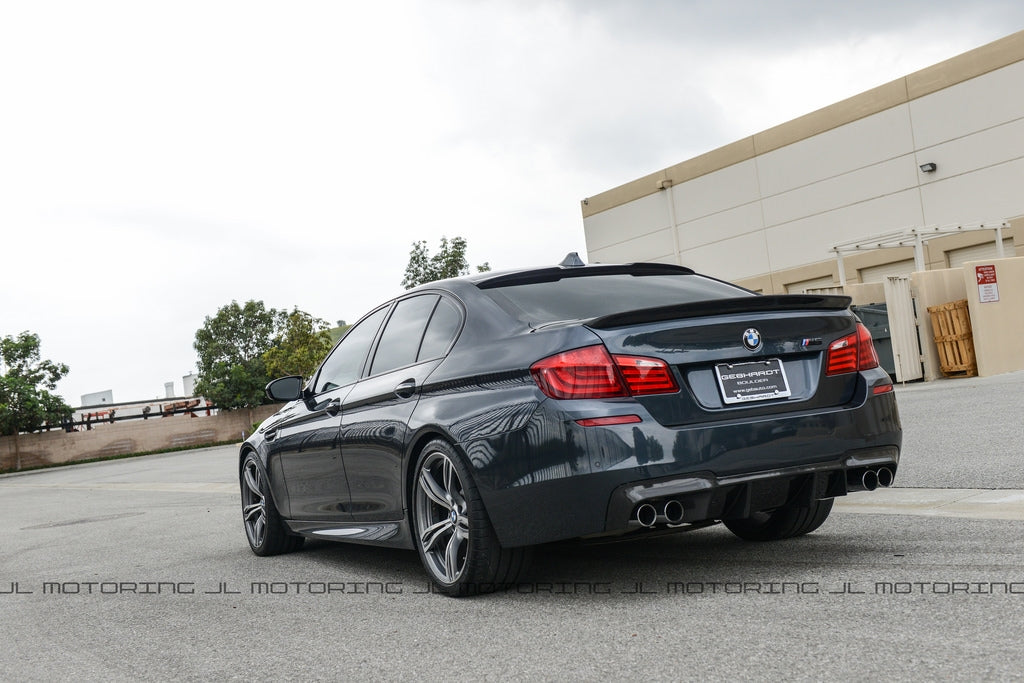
(965, 503)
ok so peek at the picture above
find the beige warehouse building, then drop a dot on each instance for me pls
(770, 210)
(918, 179)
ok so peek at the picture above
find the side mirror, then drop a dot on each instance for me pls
(285, 389)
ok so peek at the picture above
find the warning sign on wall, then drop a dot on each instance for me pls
(988, 288)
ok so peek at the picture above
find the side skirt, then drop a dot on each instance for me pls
(384, 534)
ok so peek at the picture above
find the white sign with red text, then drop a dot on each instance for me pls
(988, 288)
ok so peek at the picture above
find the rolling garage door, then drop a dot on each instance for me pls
(979, 252)
(879, 273)
(814, 285)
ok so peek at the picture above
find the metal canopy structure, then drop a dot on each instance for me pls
(915, 237)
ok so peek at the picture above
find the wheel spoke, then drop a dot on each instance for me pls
(258, 528)
(451, 557)
(430, 537)
(452, 485)
(458, 500)
(252, 481)
(252, 510)
(434, 490)
(447, 472)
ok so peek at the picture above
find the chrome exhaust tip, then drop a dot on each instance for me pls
(885, 477)
(869, 480)
(673, 512)
(646, 515)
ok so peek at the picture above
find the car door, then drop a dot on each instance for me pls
(376, 413)
(307, 443)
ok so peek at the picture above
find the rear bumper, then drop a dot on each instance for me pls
(702, 497)
(554, 480)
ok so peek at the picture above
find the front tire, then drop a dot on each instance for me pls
(784, 522)
(454, 536)
(264, 529)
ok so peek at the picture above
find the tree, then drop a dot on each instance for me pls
(26, 403)
(301, 346)
(231, 345)
(449, 261)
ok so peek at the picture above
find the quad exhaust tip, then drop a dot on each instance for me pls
(672, 512)
(872, 479)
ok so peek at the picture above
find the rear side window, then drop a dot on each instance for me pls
(582, 297)
(400, 341)
(441, 330)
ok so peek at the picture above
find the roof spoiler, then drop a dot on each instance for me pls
(555, 273)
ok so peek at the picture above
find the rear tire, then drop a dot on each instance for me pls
(784, 522)
(264, 529)
(454, 536)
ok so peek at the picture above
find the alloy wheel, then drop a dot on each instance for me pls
(254, 504)
(442, 521)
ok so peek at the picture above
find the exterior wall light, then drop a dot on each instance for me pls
(928, 168)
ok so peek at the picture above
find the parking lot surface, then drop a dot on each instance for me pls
(138, 569)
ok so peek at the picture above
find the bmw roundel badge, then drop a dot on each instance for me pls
(752, 339)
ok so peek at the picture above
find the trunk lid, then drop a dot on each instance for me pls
(723, 373)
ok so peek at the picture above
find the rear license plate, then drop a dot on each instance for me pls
(759, 381)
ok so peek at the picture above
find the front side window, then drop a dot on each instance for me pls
(345, 364)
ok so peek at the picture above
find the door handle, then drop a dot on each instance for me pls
(333, 408)
(406, 389)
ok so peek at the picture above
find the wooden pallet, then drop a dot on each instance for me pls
(951, 325)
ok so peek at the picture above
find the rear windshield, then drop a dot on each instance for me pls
(579, 298)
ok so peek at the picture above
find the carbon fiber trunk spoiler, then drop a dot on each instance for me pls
(746, 304)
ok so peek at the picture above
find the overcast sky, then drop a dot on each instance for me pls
(159, 160)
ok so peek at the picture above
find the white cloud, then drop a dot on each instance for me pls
(160, 160)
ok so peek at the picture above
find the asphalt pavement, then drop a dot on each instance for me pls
(963, 433)
(138, 569)
(963, 451)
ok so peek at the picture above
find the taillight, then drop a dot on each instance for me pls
(646, 375)
(842, 356)
(867, 354)
(580, 373)
(852, 353)
(591, 372)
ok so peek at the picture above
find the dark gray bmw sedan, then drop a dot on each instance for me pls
(473, 418)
